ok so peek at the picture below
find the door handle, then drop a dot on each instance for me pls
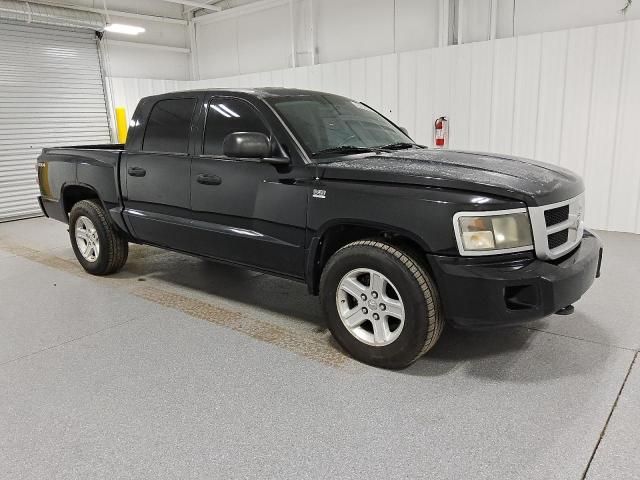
(136, 171)
(205, 179)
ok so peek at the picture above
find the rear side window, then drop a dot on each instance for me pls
(169, 125)
(229, 115)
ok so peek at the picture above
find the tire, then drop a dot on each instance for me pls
(387, 341)
(89, 219)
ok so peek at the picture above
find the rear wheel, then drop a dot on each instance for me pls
(380, 304)
(98, 246)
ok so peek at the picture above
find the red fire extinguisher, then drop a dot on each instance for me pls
(441, 132)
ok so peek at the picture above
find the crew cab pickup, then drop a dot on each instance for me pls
(394, 237)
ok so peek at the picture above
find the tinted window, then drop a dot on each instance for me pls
(322, 121)
(229, 115)
(168, 126)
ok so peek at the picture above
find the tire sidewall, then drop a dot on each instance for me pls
(409, 344)
(87, 209)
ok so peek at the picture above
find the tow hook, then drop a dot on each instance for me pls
(568, 310)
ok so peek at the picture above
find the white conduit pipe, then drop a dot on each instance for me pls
(16, 10)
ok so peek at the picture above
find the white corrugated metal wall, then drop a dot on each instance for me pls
(51, 94)
(570, 97)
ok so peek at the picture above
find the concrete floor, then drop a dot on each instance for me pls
(180, 368)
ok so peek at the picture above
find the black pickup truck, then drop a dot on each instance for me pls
(395, 238)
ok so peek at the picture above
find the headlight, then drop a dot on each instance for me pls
(489, 233)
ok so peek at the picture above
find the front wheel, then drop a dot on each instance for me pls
(99, 247)
(381, 305)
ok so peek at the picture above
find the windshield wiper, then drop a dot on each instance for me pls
(347, 149)
(399, 146)
(344, 149)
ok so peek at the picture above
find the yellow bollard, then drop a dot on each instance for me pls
(121, 124)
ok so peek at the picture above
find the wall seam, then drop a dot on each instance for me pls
(593, 67)
(469, 103)
(515, 87)
(417, 58)
(535, 133)
(237, 24)
(564, 97)
(617, 121)
(491, 115)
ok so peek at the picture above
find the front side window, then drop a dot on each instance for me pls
(169, 125)
(229, 115)
(324, 122)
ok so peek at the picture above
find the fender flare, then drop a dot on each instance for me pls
(315, 246)
(117, 222)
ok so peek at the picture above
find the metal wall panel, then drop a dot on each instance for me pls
(407, 75)
(424, 97)
(51, 94)
(551, 93)
(603, 114)
(460, 91)
(525, 111)
(481, 99)
(623, 208)
(570, 98)
(357, 75)
(502, 96)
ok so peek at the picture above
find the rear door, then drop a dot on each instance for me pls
(244, 210)
(156, 176)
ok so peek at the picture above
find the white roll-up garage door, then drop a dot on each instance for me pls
(51, 94)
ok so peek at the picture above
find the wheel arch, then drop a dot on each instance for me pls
(337, 233)
(73, 193)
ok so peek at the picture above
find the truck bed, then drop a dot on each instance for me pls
(63, 170)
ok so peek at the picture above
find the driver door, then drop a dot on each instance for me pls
(243, 210)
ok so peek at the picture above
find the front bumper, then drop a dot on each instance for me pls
(493, 292)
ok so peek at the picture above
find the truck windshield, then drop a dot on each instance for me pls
(330, 125)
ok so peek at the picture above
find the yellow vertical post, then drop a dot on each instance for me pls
(121, 124)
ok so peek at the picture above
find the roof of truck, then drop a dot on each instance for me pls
(258, 92)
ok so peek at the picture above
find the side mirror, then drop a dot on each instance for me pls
(246, 145)
(404, 130)
(251, 145)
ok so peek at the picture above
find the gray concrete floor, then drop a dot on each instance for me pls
(180, 368)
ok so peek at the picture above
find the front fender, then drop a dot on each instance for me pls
(420, 214)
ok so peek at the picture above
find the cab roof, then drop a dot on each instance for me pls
(261, 92)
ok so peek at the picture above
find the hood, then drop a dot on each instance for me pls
(535, 183)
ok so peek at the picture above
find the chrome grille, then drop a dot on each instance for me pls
(558, 227)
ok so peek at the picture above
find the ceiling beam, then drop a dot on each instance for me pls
(443, 23)
(115, 13)
(208, 2)
(191, 3)
(493, 25)
(240, 10)
(148, 46)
